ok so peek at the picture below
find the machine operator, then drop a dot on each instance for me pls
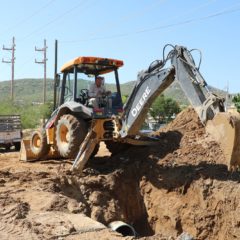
(97, 91)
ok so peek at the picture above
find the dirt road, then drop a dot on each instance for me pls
(178, 187)
(34, 207)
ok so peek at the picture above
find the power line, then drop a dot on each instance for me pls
(53, 20)
(217, 14)
(224, 12)
(190, 11)
(27, 18)
(110, 24)
(43, 29)
(44, 62)
(12, 61)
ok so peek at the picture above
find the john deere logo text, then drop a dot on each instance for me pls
(141, 102)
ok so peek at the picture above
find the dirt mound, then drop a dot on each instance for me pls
(174, 190)
(185, 121)
(195, 145)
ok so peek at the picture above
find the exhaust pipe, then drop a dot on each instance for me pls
(123, 228)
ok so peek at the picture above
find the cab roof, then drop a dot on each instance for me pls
(92, 65)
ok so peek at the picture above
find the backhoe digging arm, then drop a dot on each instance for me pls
(223, 127)
(156, 79)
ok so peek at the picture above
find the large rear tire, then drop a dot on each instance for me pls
(38, 144)
(70, 133)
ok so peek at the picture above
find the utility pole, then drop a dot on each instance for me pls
(44, 61)
(12, 61)
(55, 76)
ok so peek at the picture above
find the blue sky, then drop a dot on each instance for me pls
(134, 31)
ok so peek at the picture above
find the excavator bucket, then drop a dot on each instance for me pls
(225, 129)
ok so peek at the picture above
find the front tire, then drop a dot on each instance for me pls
(38, 144)
(70, 133)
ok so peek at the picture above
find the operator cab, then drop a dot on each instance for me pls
(79, 73)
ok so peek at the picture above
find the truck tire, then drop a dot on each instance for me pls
(7, 147)
(38, 144)
(70, 133)
(116, 147)
(17, 146)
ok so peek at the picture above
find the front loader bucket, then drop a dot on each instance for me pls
(26, 153)
(225, 129)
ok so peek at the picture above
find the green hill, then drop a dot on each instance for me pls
(31, 90)
(26, 90)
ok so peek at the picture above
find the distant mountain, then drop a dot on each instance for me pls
(174, 91)
(26, 90)
(31, 90)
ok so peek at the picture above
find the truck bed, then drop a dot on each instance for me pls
(10, 130)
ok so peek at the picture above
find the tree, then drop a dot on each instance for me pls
(236, 101)
(30, 114)
(124, 98)
(163, 109)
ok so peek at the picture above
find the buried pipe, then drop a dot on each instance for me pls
(123, 228)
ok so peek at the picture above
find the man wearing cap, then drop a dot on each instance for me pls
(97, 91)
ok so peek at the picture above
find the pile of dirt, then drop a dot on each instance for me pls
(174, 190)
(195, 145)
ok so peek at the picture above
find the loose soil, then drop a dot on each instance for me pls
(177, 189)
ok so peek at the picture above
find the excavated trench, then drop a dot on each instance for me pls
(114, 188)
(108, 197)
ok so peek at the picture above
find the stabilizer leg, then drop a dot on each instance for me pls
(85, 151)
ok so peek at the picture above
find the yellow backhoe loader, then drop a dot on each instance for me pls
(75, 128)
